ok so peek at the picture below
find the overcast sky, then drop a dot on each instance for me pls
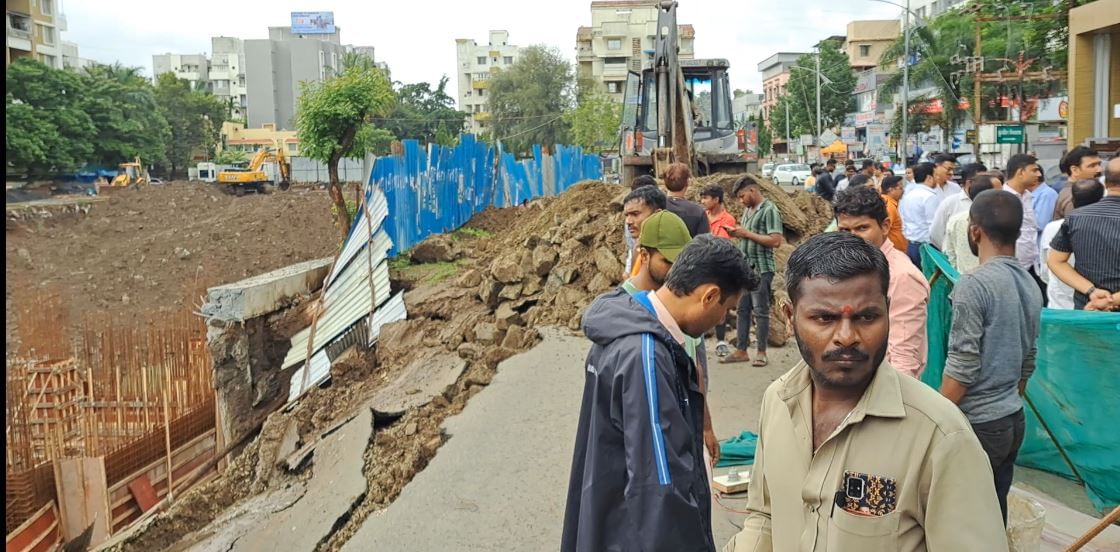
(417, 37)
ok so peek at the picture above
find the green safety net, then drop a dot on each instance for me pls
(1075, 387)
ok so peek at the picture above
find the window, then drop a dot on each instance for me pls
(47, 60)
(508, 60)
(864, 50)
(481, 92)
(613, 87)
(46, 7)
(615, 60)
(481, 60)
(47, 33)
(291, 147)
(614, 43)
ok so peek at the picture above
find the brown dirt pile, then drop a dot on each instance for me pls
(141, 253)
(803, 214)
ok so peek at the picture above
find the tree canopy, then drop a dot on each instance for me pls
(800, 98)
(595, 120)
(195, 118)
(527, 100)
(47, 128)
(424, 113)
(334, 118)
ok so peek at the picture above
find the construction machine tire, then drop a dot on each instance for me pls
(285, 185)
(262, 189)
(239, 191)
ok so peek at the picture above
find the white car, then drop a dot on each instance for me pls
(793, 174)
(768, 170)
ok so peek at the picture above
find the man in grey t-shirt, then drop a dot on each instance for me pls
(996, 315)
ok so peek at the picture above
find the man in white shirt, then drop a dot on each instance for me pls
(944, 165)
(1059, 294)
(1022, 174)
(953, 204)
(917, 209)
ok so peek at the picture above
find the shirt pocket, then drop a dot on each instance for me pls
(863, 533)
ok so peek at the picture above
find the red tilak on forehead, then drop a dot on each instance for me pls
(847, 310)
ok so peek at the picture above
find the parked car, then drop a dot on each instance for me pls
(156, 181)
(768, 170)
(792, 174)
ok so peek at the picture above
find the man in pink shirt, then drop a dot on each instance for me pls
(862, 211)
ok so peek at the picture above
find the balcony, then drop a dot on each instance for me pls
(481, 116)
(480, 84)
(616, 70)
(19, 27)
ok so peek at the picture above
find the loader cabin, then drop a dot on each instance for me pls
(707, 84)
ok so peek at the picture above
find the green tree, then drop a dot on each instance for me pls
(935, 46)
(836, 97)
(527, 101)
(765, 139)
(424, 113)
(195, 118)
(123, 108)
(46, 129)
(334, 118)
(595, 121)
(230, 157)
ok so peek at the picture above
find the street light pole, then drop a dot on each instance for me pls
(906, 82)
(819, 101)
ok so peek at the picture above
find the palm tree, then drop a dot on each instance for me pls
(115, 72)
(935, 45)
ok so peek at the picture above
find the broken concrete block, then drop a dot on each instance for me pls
(510, 292)
(531, 286)
(470, 278)
(488, 292)
(599, 284)
(507, 269)
(565, 274)
(607, 262)
(519, 337)
(469, 351)
(410, 429)
(486, 334)
(439, 248)
(423, 379)
(544, 258)
(505, 317)
(569, 296)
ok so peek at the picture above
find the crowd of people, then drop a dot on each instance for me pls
(854, 451)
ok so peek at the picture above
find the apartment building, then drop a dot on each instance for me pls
(33, 30)
(867, 40)
(929, 9)
(621, 33)
(275, 67)
(775, 77)
(476, 63)
(227, 73)
(746, 106)
(194, 68)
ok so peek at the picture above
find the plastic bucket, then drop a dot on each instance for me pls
(1025, 520)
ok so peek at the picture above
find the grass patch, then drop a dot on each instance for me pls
(472, 233)
(429, 273)
(441, 271)
(402, 261)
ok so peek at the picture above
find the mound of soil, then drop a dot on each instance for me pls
(145, 252)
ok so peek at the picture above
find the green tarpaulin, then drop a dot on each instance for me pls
(1075, 387)
(737, 451)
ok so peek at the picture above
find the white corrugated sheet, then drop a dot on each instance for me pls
(347, 297)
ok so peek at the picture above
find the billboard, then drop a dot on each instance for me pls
(312, 22)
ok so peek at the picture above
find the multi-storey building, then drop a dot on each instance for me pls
(867, 40)
(621, 33)
(775, 76)
(227, 73)
(746, 106)
(476, 63)
(275, 67)
(34, 30)
(194, 68)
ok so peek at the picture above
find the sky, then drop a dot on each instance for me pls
(417, 38)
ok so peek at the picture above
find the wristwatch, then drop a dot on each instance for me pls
(1090, 290)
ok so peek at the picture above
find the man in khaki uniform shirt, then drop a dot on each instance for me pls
(852, 456)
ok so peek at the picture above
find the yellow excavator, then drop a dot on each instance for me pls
(253, 176)
(131, 174)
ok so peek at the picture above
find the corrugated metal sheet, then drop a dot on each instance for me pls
(392, 311)
(320, 369)
(377, 208)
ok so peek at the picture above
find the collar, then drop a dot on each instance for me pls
(882, 398)
(887, 247)
(666, 319)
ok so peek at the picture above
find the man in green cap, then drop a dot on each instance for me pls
(661, 240)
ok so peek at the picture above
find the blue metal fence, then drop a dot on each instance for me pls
(438, 189)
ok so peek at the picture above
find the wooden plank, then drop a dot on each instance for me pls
(83, 497)
(143, 492)
(723, 483)
(24, 536)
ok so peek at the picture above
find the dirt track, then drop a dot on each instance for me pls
(152, 251)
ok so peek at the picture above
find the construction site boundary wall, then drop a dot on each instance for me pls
(1070, 403)
(438, 189)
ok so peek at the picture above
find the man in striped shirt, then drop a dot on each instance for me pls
(1092, 233)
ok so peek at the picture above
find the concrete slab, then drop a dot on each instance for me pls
(224, 532)
(264, 293)
(423, 379)
(336, 484)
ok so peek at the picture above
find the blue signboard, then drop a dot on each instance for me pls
(312, 22)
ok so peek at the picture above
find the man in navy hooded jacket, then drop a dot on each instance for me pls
(638, 480)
